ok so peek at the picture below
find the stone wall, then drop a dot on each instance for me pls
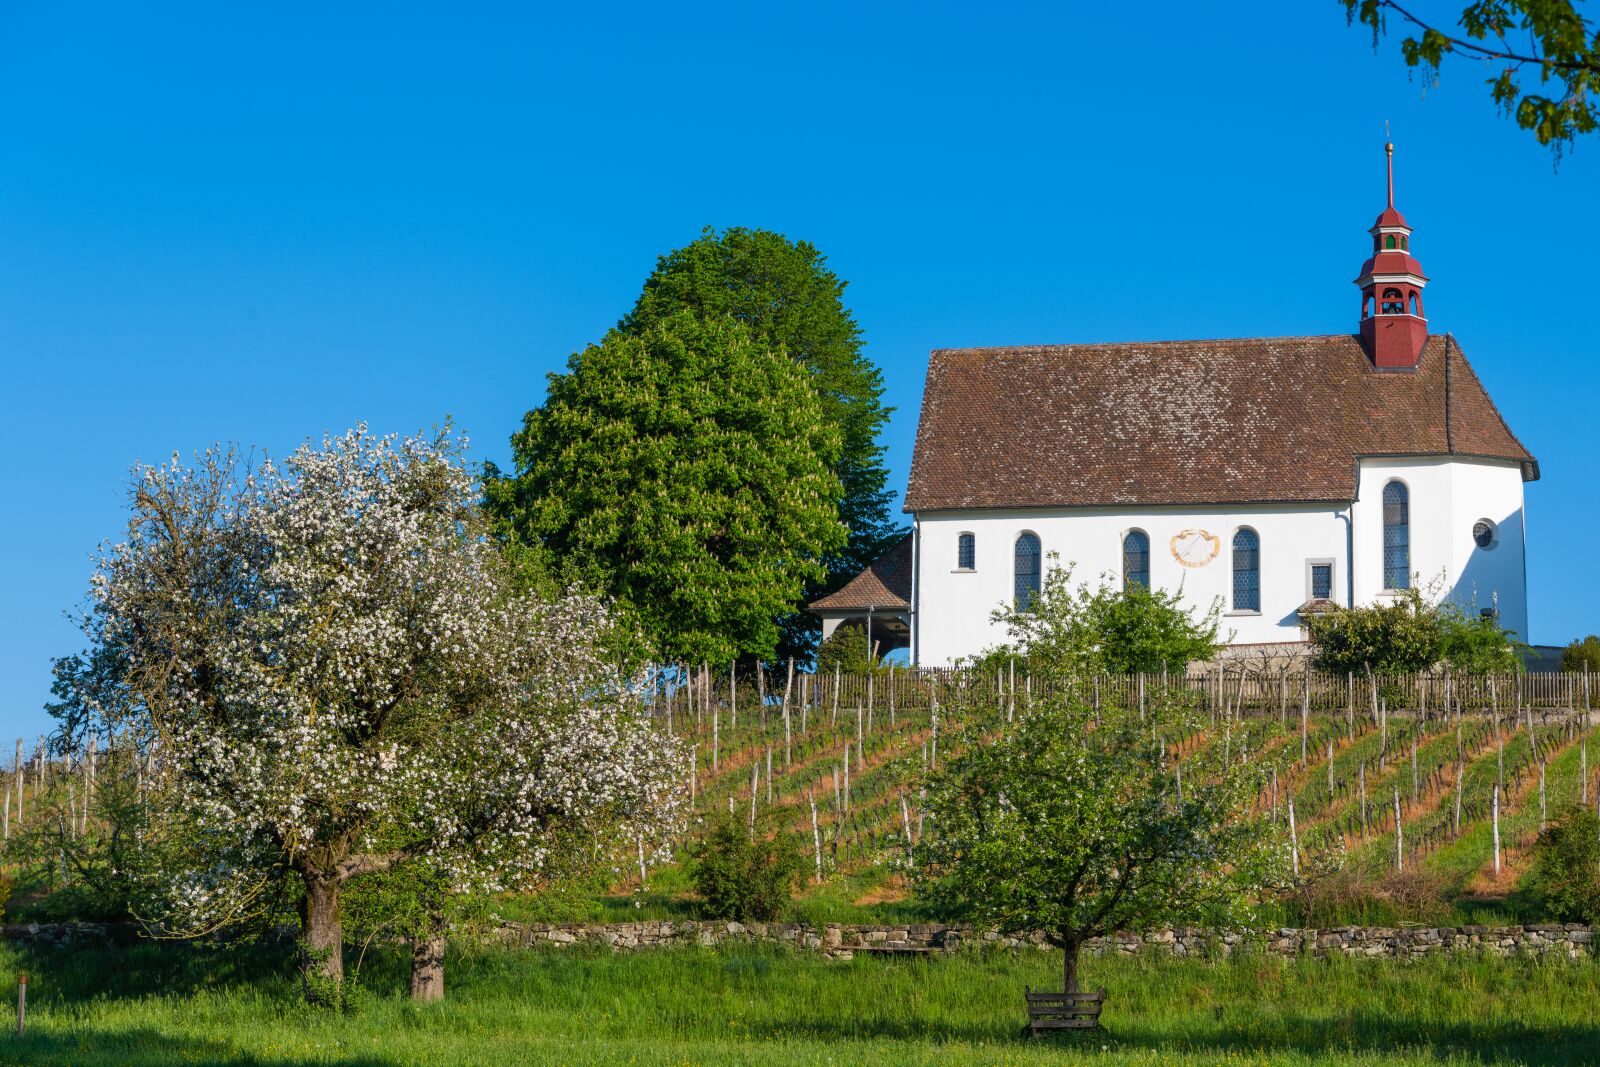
(844, 940)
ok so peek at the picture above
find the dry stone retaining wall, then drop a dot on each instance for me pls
(844, 940)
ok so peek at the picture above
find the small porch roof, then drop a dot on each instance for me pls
(884, 586)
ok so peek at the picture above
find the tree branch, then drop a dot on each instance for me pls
(371, 863)
(1459, 44)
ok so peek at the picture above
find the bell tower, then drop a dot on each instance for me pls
(1393, 326)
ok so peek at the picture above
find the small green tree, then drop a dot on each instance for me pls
(1566, 868)
(846, 650)
(1103, 630)
(743, 875)
(1397, 637)
(686, 472)
(1149, 630)
(1080, 821)
(1582, 655)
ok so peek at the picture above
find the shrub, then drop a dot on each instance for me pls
(846, 649)
(1148, 630)
(1352, 896)
(1101, 629)
(1475, 643)
(1566, 868)
(1583, 654)
(1398, 638)
(744, 876)
(6, 886)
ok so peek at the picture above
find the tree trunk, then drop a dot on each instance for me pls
(321, 940)
(427, 963)
(1069, 965)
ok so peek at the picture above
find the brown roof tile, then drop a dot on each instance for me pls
(1187, 422)
(884, 586)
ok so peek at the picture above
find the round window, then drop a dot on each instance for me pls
(1483, 533)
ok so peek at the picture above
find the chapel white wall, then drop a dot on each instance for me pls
(1447, 497)
(954, 607)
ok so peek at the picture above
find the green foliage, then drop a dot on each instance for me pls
(1149, 630)
(785, 294)
(1566, 868)
(1551, 38)
(324, 991)
(846, 650)
(1582, 655)
(687, 472)
(744, 876)
(7, 887)
(1396, 637)
(1104, 630)
(1476, 644)
(107, 864)
(1071, 819)
(410, 900)
(1409, 634)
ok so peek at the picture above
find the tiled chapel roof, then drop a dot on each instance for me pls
(1256, 420)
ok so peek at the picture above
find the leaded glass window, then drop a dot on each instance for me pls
(1396, 536)
(1322, 581)
(1246, 571)
(966, 552)
(1136, 559)
(1028, 563)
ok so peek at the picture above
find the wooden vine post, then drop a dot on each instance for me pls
(1495, 804)
(1399, 838)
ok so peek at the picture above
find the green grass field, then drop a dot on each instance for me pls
(159, 1005)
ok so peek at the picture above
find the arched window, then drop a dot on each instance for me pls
(1246, 570)
(1405, 243)
(1135, 559)
(966, 552)
(1396, 536)
(1414, 304)
(1394, 302)
(1026, 585)
(1388, 241)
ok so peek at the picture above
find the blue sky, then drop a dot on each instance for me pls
(223, 225)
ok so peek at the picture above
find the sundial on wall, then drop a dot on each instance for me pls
(1195, 548)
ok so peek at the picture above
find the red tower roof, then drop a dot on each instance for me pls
(1390, 217)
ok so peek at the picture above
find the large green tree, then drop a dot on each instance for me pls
(783, 291)
(685, 469)
(1548, 39)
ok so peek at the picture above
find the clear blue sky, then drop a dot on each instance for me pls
(218, 224)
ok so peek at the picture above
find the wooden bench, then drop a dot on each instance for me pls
(890, 950)
(1063, 1011)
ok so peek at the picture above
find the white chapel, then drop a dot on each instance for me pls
(1279, 475)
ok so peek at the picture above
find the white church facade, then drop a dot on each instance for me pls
(1273, 477)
